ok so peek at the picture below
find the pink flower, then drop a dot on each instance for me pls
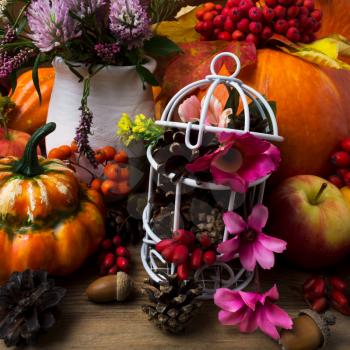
(239, 161)
(249, 242)
(190, 111)
(250, 311)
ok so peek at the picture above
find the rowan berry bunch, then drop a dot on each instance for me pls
(321, 293)
(186, 252)
(248, 20)
(341, 160)
(115, 178)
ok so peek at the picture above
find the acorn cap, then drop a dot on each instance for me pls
(323, 321)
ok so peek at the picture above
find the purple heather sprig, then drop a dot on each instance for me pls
(129, 22)
(9, 36)
(51, 24)
(8, 63)
(82, 135)
(107, 51)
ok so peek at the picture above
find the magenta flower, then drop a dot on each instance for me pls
(190, 110)
(249, 311)
(252, 245)
(51, 24)
(239, 161)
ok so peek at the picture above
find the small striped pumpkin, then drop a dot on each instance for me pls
(47, 219)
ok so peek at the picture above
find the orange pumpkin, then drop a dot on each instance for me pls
(47, 219)
(335, 17)
(13, 143)
(29, 114)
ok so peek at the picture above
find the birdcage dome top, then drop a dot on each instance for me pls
(247, 95)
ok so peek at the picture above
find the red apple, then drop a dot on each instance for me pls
(313, 217)
(13, 143)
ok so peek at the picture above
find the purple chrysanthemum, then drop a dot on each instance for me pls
(50, 24)
(107, 51)
(85, 7)
(129, 22)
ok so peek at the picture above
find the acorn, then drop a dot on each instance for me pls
(310, 331)
(109, 288)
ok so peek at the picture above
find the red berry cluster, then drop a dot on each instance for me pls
(114, 257)
(183, 251)
(321, 293)
(240, 20)
(341, 160)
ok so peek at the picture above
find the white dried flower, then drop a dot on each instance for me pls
(3, 4)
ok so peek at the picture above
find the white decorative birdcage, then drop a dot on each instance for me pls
(229, 275)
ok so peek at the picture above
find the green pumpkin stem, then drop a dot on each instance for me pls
(29, 164)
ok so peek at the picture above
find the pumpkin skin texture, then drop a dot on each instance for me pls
(29, 114)
(14, 143)
(48, 220)
(313, 109)
(335, 17)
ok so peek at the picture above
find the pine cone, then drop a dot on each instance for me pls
(27, 303)
(257, 124)
(174, 303)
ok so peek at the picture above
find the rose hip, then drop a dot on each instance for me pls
(117, 240)
(319, 305)
(280, 11)
(319, 287)
(113, 270)
(336, 180)
(168, 252)
(107, 244)
(341, 159)
(281, 26)
(243, 25)
(205, 241)
(209, 257)
(109, 260)
(255, 14)
(184, 237)
(337, 283)
(245, 5)
(122, 251)
(255, 27)
(237, 35)
(266, 33)
(160, 246)
(293, 11)
(196, 259)
(218, 21)
(339, 297)
(251, 38)
(345, 309)
(317, 14)
(236, 14)
(180, 254)
(268, 14)
(183, 272)
(226, 36)
(122, 264)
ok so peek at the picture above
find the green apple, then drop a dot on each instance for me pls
(313, 217)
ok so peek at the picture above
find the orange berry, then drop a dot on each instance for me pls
(123, 187)
(209, 6)
(74, 147)
(96, 184)
(121, 157)
(109, 152)
(56, 153)
(111, 171)
(123, 173)
(66, 150)
(109, 187)
(200, 12)
(100, 156)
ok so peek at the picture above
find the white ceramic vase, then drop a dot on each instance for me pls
(113, 90)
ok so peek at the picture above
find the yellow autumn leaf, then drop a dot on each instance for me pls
(181, 30)
(343, 44)
(327, 46)
(319, 58)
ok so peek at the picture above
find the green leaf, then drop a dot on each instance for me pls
(74, 71)
(21, 25)
(35, 76)
(13, 82)
(146, 76)
(233, 100)
(159, 46)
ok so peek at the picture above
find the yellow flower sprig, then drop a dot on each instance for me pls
(141, 128)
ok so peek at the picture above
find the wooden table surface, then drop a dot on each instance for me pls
(83, 325)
